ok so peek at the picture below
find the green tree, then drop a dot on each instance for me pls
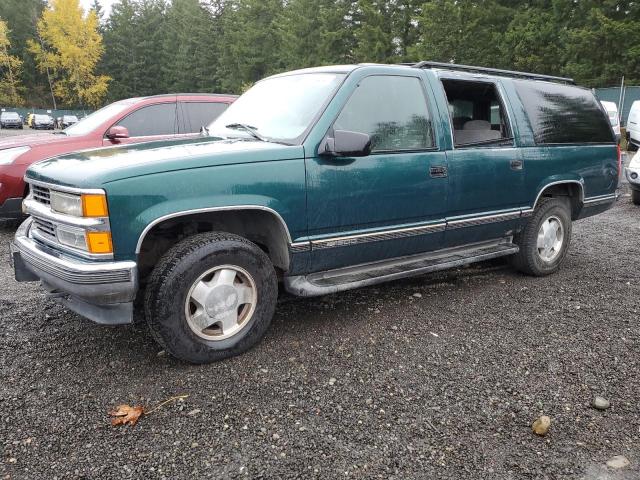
(21, 17)
(249, 46)
(190, 36)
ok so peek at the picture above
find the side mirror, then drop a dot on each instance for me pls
(117, 132)
(346, 144)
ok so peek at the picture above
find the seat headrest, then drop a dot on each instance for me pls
(477, 125)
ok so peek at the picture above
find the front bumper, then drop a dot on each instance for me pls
(101, 291)
(633, 176)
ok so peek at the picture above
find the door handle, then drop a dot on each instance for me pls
(516, 164)
(438, 171)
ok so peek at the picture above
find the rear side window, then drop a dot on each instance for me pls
(392, 111)
(563, 113)
(199, 114)
(477, 114)
(152, 120)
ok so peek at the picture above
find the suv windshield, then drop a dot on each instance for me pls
(278, 109)
(10, 116)
(93, 121)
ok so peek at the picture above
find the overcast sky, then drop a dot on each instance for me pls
(106, 4)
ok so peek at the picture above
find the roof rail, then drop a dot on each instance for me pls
(491, 71)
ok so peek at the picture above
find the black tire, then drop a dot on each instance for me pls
(171, 281)
(631, 147)
(635, 197)
(528, 259)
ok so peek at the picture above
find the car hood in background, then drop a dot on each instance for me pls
(32, 140)
(96, 167)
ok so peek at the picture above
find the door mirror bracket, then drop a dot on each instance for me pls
(117, 132)
(346, 144)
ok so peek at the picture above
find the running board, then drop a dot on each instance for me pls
(332, 281)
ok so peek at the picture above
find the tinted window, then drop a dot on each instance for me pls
(199, 114)
(391, 110)
(152, 120)
(478, 115)
(563, 113)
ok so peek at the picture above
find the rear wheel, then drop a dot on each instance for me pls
(211, 296)
(635, 197)
(545, 239)
(631, 147)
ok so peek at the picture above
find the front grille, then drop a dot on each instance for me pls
(41, 194)
(45, 227)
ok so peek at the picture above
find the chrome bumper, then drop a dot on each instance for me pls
(630, 173)
(99, 290)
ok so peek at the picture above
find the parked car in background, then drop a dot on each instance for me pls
(633, 127)
(68, 120)
(612, 112)
(127, 121)
(42, 122)
(324, 179)
(632, 173)
(10, 120)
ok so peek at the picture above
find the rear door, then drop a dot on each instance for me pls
(148, 123)
(193, 115)
(486, 168)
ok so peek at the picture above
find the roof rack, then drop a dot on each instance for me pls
(491, 71)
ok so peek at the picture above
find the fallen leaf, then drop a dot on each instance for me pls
(126, 415)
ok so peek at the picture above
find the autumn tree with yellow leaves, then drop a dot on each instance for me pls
(69, 48)
(10, 71)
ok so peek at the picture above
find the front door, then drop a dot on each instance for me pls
(392, 202)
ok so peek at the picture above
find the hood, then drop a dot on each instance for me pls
(93, 168)
(31, 140)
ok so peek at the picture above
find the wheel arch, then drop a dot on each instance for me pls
(572, 188)
(259, 224)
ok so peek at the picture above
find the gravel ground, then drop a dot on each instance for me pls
(434, 377)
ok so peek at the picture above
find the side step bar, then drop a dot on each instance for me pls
(332, 281)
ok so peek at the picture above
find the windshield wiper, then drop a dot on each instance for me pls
(249, 129)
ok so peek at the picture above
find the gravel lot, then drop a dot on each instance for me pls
(434, 377)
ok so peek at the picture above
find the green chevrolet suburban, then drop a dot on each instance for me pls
(319, 180)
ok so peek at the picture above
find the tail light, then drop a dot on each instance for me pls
(619, 162)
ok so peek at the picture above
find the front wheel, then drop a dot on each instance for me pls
(211, 296)
(545, 239)
(635, 197)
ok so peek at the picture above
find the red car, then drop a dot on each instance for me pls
(128, 121)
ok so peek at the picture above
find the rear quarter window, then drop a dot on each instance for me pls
(563, 113)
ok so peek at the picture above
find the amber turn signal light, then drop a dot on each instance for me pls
(94, 205)
(99, 242)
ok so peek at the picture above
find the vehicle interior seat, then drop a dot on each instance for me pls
(476, 131)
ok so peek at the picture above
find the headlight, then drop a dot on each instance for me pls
(66, 203)
(8, 155)
(85, 205)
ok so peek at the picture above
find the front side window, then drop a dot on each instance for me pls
(152, 120)
(196, 115)
(478, 116)
(392, 111)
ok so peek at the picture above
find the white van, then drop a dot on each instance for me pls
(612, 112)
(633, 127)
